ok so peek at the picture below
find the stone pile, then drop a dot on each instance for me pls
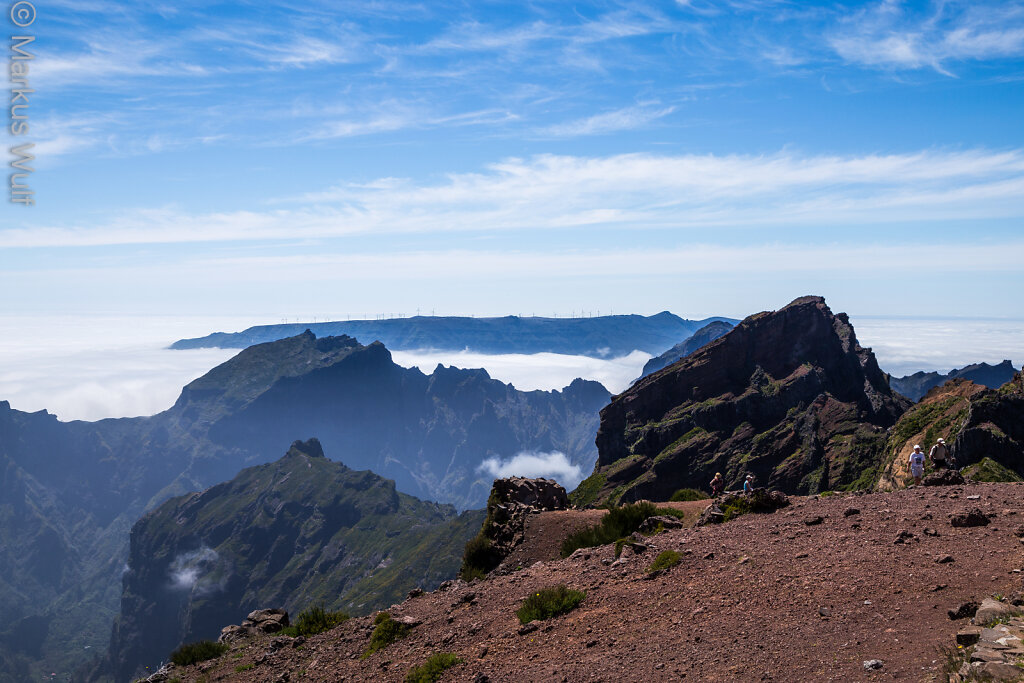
(992, 647)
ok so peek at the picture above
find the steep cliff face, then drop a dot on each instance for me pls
(295, 533)
(789, 396)
(975, 422)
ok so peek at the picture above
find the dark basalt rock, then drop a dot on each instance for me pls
(539, 493)
(789, 396)
(971, 517)
(943, 478)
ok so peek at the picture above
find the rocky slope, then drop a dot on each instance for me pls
(976, 423)
(701, 337)
(809, 593)
(915, 386)
(789, 396)
(295, 533)
(600, 337)
(69, 492)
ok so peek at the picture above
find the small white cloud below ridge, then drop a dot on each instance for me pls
(196, 571)
(554, 465)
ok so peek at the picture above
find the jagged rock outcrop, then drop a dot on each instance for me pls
(983, 428)
(512, 500)
(700, 338)
(539, 494)
(759, 500)
(299, 532)
(915, 386)
(789, 396)
(269, 620)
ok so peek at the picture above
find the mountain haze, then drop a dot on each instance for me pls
(70, 491)
(600, 337)
(917, 385)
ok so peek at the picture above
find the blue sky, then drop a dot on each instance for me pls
(286, 159)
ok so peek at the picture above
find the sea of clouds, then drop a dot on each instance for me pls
(92, 367)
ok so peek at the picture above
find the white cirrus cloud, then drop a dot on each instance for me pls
(627, 191)
(888, 35)
(627, 118)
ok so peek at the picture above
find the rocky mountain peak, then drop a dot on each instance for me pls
(310, 448)
(788, 395)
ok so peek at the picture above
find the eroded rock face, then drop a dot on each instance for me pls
(539, 493)
(789, 396)
(512, 500)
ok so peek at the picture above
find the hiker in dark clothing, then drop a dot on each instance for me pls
(717, 485)
(939, 455)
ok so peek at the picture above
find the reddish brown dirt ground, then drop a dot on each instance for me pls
(760, 598)
(545, 532)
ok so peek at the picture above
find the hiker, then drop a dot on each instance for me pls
(748, 484)
(917, 464)
(716, 485)
(939, 454)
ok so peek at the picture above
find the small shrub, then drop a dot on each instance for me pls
(617, 524)
(664, 560)
(244, 667)
(431, 670)
(386, 632)
(478, 558)
(736, 507)
(549, 602)
(689, 494)
(198, 652)
(314, 620)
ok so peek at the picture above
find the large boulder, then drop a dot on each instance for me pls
(943, 478)
(539, 493)
(759, 500)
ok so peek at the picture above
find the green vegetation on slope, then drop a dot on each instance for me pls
(431, 670)
(618, 523)
(314, 620)
(197, 652)
(385, 632)
(990, 470)
(549, 602)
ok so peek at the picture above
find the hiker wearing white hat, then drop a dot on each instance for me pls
(939, 454)
(917, 464)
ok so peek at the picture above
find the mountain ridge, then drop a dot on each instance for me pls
(297, 532)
